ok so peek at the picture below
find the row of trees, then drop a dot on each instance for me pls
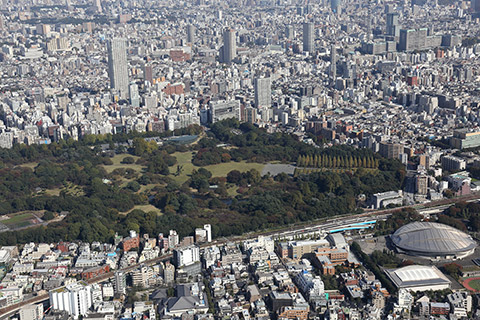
(298, 172)
(396, 220)
(327, 161)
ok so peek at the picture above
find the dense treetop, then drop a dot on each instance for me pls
(257, 202)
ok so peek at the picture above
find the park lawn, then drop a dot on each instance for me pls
(218, 170)
(222, 169)
(117, 163)
(69, 188)
(148, 187)
(232, 192)
(145, 208)
(53, 192)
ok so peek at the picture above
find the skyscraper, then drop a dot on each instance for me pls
(476, 5)
(289, 32)
(335, 5)
(393, 26)
(148, 73)
(412, 39)
(117, 66)
(2, 23)
(134, 96)
(308, 44)
(333, 62)
(263, 92)
(229, 46)
(190, 34)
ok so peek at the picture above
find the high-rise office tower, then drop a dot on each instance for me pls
(148, 73)
(117, 66)
(335, 6)
(308, 44)
(2, 23)
(476, 5)
(412, 39)
(333, 62)
(134, 96)
(289, 32)
(229, 46)
(263, 92)
(393, 26)
(190, 34)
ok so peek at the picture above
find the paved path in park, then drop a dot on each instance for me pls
(275, 169)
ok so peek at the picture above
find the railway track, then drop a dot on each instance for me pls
(6, 311)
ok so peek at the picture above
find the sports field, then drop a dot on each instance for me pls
(472, 284)
(21, 219)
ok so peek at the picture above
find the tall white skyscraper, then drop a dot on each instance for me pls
(229, 45)
(308, 44)
(263, 92)
(98, 6)
(117, 66)
(75, 298)
(134, 95)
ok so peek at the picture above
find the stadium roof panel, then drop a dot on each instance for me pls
(431, 238)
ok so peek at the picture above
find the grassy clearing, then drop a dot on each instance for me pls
(218, 170)
(148, 187)
(145, 208)
(117, 159)
(222, 169)
(232, 192)
(69, 188)
(30, 165)
(53, 192)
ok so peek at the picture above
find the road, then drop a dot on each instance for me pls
(285, 232)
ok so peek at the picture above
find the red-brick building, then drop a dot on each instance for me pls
(130, 243)
(95, 272)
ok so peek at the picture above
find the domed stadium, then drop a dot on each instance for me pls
(433, 240)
